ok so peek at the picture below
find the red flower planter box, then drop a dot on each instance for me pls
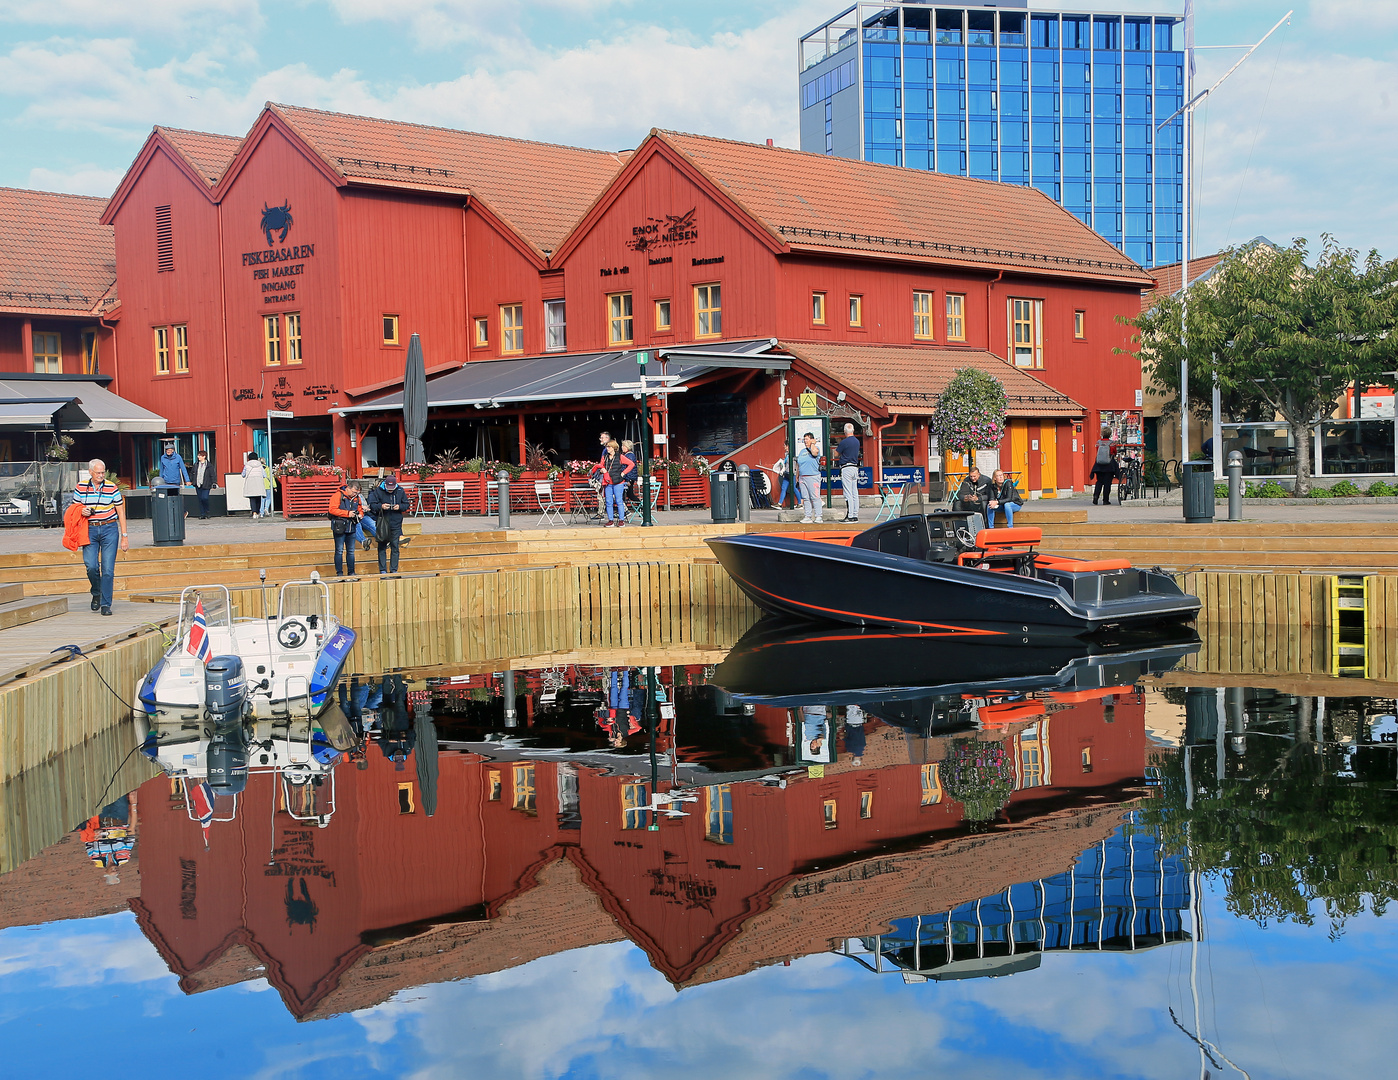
(307, 496)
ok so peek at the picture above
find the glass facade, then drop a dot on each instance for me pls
(1061, 101)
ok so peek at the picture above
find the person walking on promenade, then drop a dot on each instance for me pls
(257, 487)
(614, 470)
(1005, 497)
(974, 492)
(808, 478)
(203, 481)
(780, 471)
(1105, 472)
(105, 511)
(850, 452)
(628, 451)
(344, 511)
(388, 502)
(173, 472)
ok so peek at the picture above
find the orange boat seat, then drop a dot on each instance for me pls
(1002, 538)
(1081, 566)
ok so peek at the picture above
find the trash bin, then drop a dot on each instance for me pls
(723, 496)
(167, 517)
(1198, 491)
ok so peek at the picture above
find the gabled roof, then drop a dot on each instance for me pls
(539, 189)
(829, 204)
(207, 154)
(908, 378)
(56, 256)
(1168, 277)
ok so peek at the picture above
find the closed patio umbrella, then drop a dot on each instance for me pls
(414, 400)
(426, 758)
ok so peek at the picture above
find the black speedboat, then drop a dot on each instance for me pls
(943, 573)
(788, 662)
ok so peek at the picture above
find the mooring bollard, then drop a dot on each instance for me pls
(744, 494)
(1234, 468)
(502, 493)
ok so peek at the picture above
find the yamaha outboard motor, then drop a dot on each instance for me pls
(225, 691)
(227, 761)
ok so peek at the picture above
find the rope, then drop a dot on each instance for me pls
(1256, 131)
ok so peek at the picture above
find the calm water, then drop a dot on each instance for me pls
(830, 855)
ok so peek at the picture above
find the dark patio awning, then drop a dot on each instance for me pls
(78, 402)
(573, 376)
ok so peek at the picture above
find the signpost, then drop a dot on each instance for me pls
(274, 414)
(644, 389)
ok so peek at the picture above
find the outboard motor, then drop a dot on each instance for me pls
(225, 691)
(227, 761)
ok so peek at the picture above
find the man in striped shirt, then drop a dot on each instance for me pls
(105, 511)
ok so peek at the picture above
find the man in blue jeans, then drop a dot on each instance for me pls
(106, 531)
(387, 498)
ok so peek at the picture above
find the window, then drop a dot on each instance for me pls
(406, 803)
(293, 338)
(619, 319)
(922, 315)
(272, 339)
(493, 785)
(164, 241)
(866, 804)
(162, 350)
(832, 814)
(718, 806)
(181, 349)
(708, 311)
(1080, 324)
(1026, 332)
(89, 352)
(662, 315)
(390, 329)
(1087, 759)
(931, 785)
(818, 308)
(555, 326)
(956, 317)
(1030, 760)
(512, 328)
(48, 358)
(856, 311)
(633, 801)
(524, 788)
(482, 332)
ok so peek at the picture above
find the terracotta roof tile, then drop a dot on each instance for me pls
(207, 154)
(814, 201)
(540, 189)
(908, 378)
(1167, 278)
(55, 255)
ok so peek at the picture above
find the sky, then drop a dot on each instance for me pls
(1301, 141)
(92, 997)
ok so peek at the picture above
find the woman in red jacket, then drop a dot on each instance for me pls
(616, 471)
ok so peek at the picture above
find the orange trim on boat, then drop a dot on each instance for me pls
(877, 618)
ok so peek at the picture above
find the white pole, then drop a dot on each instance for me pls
(1184, 234)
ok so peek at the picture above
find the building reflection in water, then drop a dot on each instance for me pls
(720, 852)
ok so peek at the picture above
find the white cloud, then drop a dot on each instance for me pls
(90, 952)
(87, 179)
(166, 15)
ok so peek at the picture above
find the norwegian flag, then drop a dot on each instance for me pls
(199, 646)
(201, 798)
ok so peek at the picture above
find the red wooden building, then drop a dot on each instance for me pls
(287, 270)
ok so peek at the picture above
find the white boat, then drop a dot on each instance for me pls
(257, 701)
(282, 666)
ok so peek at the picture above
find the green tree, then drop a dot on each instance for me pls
(970, 413)
(1279, 333)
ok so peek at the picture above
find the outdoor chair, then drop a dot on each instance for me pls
(635, 512)
(891, 504)
(453, 494)
(550, 510)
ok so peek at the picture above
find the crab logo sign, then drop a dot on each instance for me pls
(275, 218)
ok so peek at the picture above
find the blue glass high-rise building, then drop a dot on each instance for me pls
(1049, 96)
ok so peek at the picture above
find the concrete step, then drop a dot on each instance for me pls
(22, 612)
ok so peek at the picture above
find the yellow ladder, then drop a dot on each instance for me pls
(1349, 626)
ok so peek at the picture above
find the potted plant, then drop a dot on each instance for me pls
(307, 484)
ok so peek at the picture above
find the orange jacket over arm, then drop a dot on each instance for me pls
(336, 510)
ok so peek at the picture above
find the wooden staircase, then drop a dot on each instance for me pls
(1321, 547)
(17, 610)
